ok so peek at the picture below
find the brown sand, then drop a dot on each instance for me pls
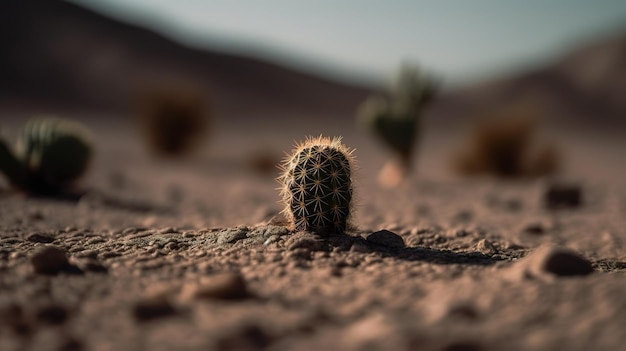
(179, 255)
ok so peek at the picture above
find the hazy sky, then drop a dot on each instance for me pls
(460, 39)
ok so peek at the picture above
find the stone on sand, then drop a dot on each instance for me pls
(386, 238)
(224, 286)
(551, 261)
(49, 260)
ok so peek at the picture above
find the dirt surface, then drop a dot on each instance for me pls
(190, 255)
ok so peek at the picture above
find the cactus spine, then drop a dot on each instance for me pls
(50, 154)
(317, 186)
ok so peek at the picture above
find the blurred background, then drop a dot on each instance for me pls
(319, 57)
(255, 76)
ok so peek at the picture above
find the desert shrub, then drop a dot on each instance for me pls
(174, 118)
(506, 146)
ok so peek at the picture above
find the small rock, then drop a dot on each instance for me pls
(272, 239)
(52, 314)
(40, 238)
(171, 246)
(307, 244)
(534, 228)
(386, 238)
(246, 337)
(486, 247)
(563, 262)
(463, 310)
(461, 233)
(563, 196)
(464, 216)
(152, 308)
(232, 235)
(549, 262)
(225, 286)
(169, 230)
(36, 215)
(304, 240)
(49, 260)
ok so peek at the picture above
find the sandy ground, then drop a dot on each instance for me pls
(189, 255)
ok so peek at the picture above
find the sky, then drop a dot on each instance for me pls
(366, 40)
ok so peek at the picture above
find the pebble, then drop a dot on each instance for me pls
(52, 314)
(550, 262)
(308, 244)
(40, 238)
(534, 228)
(49, 260)
(486, 247)
(563, 196)
(231, 235)
(169, 230)
(152, 308)
(223, 286)
(386, 238)
(563, 262)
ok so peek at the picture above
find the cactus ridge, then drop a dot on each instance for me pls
(317, 185)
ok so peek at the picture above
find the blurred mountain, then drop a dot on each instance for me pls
(56, 53)
(61, 54)
(587, 85)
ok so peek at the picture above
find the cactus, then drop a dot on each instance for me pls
(50, 154)
(396, 119)
(174, 118)
(316, 185)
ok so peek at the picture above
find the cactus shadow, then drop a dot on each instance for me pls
(99, 199)
(422, 254)
(439, 256)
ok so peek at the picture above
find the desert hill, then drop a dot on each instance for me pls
(56, 52)
(584, 86)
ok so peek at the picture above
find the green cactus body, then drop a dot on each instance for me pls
(317, 185)
(55, 152)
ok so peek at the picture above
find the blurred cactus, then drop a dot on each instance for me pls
(396, 119)
(505, 146)
(50, 155)
(316, 185)
(174, 118)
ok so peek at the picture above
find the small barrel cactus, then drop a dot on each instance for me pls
(317, 185)
(54, 152)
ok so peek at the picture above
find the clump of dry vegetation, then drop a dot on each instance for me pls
(174, 118)
(506, 145)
